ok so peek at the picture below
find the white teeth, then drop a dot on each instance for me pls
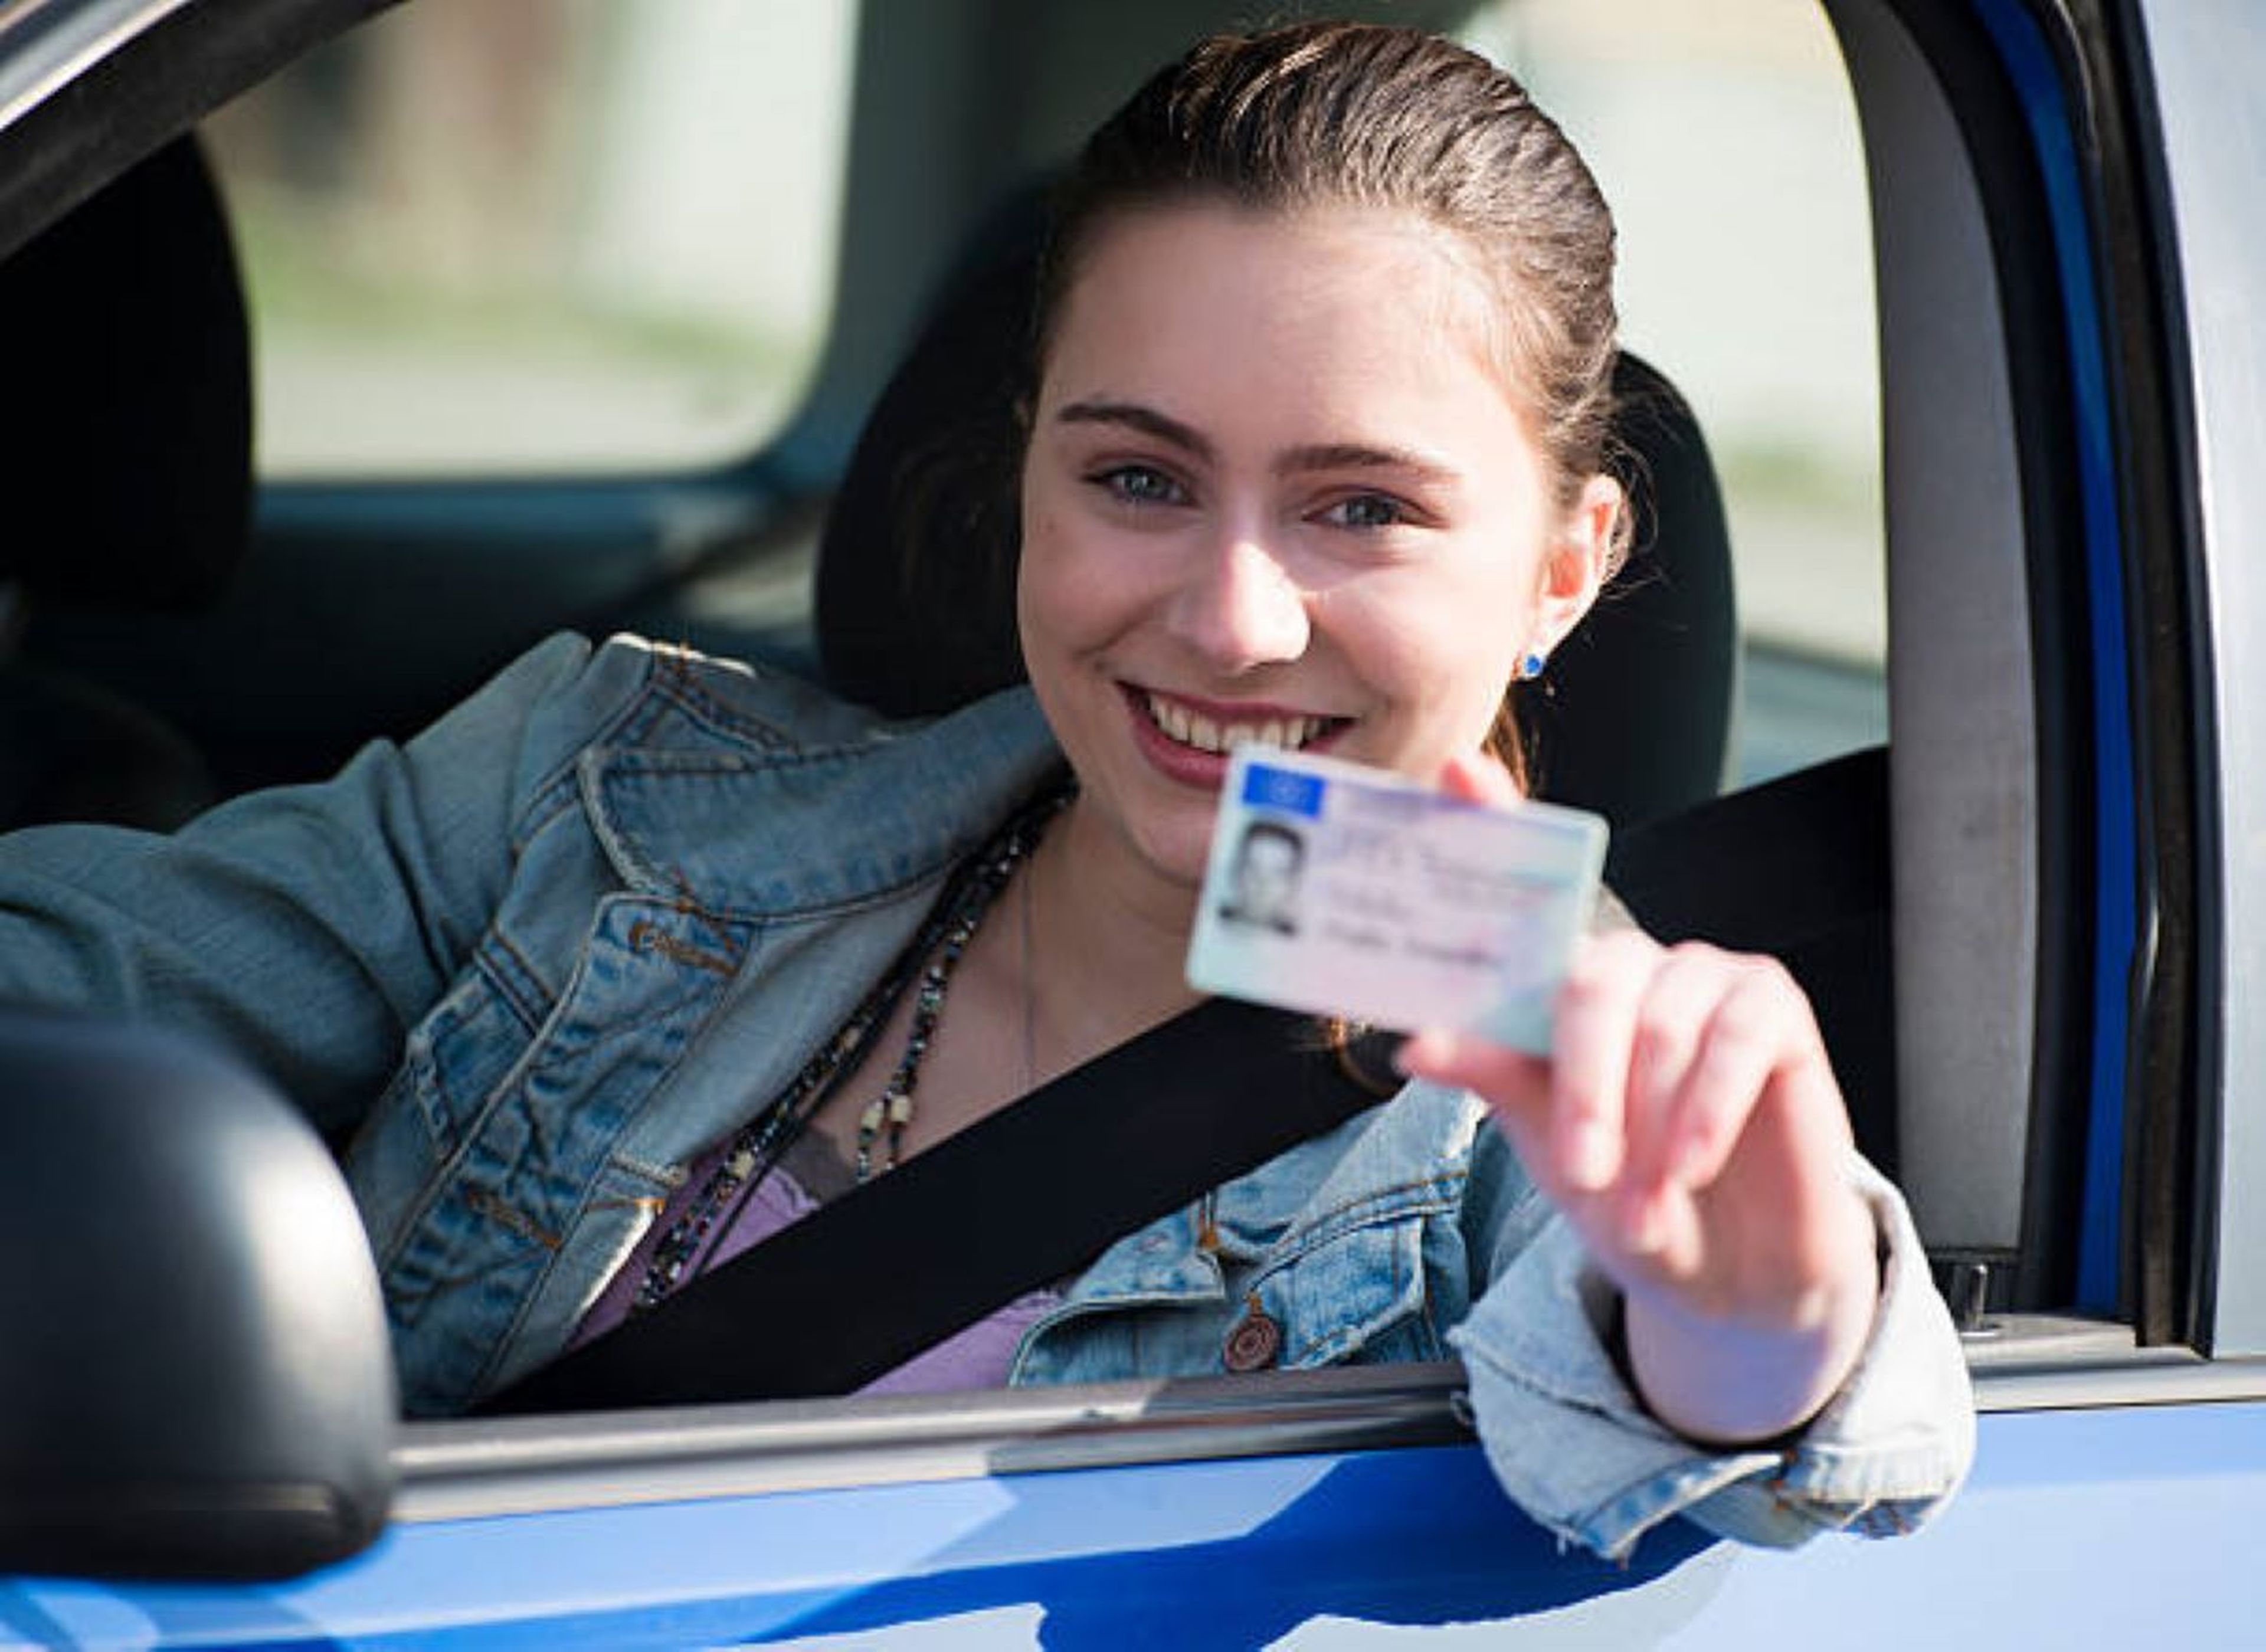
(1202, 732)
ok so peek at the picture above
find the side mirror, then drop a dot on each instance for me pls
(194, 1375)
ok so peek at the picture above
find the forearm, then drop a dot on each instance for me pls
(1731, 1383)
(279, 929)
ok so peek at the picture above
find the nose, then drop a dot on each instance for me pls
(1239, 608)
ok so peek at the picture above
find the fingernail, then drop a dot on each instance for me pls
(1593, 1154)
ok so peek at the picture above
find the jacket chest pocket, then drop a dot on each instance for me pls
(1356, 1293)
(522, 1121)
(458, 1055)
(522, 1114)
(648, 976)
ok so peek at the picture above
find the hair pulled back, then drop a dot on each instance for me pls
(1323, 114)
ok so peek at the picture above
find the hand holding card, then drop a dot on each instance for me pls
(1350, 891)
(1675, 1104)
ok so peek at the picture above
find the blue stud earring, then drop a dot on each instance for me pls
(1530, 666)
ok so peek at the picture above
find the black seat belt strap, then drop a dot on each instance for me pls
(1025, 1197)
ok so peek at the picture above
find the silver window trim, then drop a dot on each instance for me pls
(475, 1470)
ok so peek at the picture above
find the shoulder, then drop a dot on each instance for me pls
(756, 705)
(632, 693)
(750, 791)
(639, 691)
(710, 700)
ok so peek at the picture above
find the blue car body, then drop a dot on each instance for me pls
(2082, 1526)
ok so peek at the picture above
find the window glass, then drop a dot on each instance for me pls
(1726, 137)
(540, 235)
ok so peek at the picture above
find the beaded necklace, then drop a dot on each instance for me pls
(760, 1144)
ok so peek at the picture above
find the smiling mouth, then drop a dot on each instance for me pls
(1220, 735)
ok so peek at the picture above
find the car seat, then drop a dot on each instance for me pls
(126, 466)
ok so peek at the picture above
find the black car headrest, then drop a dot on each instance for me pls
(915, 580)
(916, 609)
(125, 434)
(1634, 717)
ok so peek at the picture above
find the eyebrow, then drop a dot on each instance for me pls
(1147, 420)
(1359, 455)
(1327, 456)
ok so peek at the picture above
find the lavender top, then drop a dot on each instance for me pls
(976, 1357)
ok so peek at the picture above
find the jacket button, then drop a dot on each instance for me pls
(1255, 1342)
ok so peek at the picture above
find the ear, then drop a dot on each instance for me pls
(1580, 559)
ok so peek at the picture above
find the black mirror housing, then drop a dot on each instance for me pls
(195, 1379)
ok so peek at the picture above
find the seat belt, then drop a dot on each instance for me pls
(1027, 1196)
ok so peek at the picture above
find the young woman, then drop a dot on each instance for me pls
(636, 956)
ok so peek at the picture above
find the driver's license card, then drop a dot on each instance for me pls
(1344, 890)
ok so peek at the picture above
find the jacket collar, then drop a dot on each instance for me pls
(745, 832)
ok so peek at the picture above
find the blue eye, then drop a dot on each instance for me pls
(1366, 510)
(1140, 485)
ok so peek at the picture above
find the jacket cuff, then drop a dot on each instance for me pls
(1577, 1448)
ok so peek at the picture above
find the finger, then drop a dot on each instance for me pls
(1591, 1038)
(1480, 778)
(1682, 994)
(1513, 1083)
(1761, 1028)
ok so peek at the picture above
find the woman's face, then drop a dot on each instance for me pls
(1277, 491)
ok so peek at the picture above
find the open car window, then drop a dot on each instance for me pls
(1728, 142)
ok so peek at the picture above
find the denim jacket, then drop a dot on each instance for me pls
(529, 964)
